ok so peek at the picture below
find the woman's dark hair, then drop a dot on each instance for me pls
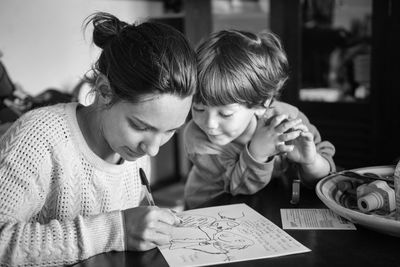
(240, 67)
(145, 59)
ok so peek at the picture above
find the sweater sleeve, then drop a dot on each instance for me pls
(58, 242)
(30, 233)
(234, 175)
(243, 174)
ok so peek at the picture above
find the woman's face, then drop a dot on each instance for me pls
(134, 130)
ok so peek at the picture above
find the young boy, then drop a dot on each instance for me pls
(239, 136)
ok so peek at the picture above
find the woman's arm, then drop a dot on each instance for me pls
(37, 226)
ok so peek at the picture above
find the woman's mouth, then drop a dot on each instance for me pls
(134, 154)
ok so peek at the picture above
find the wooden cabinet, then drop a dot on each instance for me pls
(193, 18)
(366, 131)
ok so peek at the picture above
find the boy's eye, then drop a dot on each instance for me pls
(226, 115)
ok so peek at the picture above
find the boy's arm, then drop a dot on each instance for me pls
(246, 175)
(233, 173)
(323, 164)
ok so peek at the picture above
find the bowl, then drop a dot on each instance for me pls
(327, 189)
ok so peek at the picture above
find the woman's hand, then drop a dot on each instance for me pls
(147, 227)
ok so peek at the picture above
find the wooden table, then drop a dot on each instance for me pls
(362, 247)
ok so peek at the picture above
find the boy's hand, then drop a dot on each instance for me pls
(304, 150)
(272, 136)
(147, 227)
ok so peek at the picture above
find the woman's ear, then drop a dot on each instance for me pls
(103, 89)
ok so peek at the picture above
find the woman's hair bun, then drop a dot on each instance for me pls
(106, 27)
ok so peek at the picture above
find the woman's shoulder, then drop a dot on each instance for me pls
(35, 132)
(47, 112)
(42, 122)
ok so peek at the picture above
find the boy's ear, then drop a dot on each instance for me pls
(103, 88)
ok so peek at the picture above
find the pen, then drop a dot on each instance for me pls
(145, 182)
(149, 197)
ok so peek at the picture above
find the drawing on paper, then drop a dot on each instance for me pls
(213, 235)
(226, 234)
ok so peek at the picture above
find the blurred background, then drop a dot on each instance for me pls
(343, 56)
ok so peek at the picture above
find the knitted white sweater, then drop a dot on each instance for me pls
(60, 202)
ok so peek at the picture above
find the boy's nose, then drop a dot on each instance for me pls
(211, 122)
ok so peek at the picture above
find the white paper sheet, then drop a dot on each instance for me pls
(225, 234)
(314, 219)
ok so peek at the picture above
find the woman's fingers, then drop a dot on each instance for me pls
(147, 227)
(159, 235)
(167, 216)
(160, 229)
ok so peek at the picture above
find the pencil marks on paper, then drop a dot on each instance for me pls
(211, 235)
(226, 234)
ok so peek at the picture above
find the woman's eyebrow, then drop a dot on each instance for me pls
(153, 128)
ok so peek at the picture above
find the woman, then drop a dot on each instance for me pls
(69, 182)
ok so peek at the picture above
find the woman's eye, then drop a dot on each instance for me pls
(142, 128)
(139, 128)
(198, 109)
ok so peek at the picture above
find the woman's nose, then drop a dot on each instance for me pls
(151, 146)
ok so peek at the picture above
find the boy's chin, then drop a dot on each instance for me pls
(219, 141)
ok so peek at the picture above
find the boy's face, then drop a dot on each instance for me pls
(224, 124)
